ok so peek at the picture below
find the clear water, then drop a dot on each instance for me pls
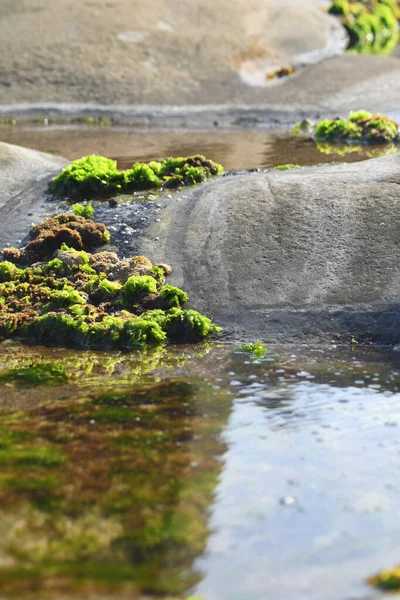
(236, 149)
(197, 469)
(242, 479)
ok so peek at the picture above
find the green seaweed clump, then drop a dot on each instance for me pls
(36, 374)
(388, 580)
(257, 349)
(67, 296)
(360, 127)
(287, 167)
(96, 176)
(372, 25)
(83, 210)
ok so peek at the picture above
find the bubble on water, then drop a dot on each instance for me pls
(288, 501)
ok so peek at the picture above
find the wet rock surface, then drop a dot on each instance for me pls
(303, 254)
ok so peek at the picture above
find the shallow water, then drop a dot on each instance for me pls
(203, 470)
(245, 149)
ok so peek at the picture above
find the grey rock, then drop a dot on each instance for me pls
(310, 252)
(24, 177)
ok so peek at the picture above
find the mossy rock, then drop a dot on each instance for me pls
(372, 25)
(75, 298)
(96, 176)
(360, 127)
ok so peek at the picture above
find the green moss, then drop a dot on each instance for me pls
(372, 25)
(257, 349)
(139, 332)
(96, 176)
(41, 492)
(86, 211)
(36, 374)
(361, 126)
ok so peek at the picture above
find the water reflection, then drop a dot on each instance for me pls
(245, 149)
(306, 507)
(225, 475)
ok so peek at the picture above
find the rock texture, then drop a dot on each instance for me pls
(62, 55)
(24, 176)
(310, 251)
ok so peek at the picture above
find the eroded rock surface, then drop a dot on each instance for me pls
(310, 251)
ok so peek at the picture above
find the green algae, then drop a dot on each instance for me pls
(126, 501)
(97, 176)
(372, 25)
(75, 299)
(257, 349)
(387, 580)
(83, 210)
(360, 127)
(36, 374)
(287, 167)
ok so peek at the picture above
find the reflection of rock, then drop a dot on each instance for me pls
(322, 241)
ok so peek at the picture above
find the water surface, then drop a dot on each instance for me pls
(200, 470)
(235, 149)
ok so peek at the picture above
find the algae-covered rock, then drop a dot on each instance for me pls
(388, 580)
(96, 176)
(65, 295)
(361, 126)
(372, 25)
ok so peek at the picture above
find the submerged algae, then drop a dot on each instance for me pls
(88, 300)
(96, 176)
(35, 374)
(257, 349)
(136, 472)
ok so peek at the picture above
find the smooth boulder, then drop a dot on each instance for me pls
(313, 251)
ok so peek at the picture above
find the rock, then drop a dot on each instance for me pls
(163, 53)
(310, 252)
(305, 254)
(24, 177)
